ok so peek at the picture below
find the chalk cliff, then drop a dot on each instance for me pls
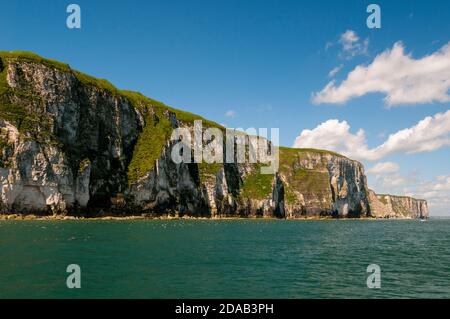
(390, 206)
(73, 144)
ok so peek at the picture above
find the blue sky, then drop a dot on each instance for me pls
(263, 60)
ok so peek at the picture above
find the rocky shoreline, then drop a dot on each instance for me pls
(22, 217)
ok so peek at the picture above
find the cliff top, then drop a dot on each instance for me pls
(136, 98)
(294, 151)
(402, 196)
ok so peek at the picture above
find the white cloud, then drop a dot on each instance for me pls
(435, 191)
(392, 181)
(348, 39)
(384, 168)
(429, 134)
(335, 70)
(402, 78)
(335, 136)
(230, 113)
(387, 177)
(351, 45)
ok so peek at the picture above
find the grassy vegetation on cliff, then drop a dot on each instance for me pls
(143, 103)
(257, 185)
(32, 57)
(100, 83)
(151, 141)
(157, 132)
(82, 77)
(3, 150)
(15, 113)
(208, 171)
(383, 199)
(154, 136)
(20, 107)
(286, 152)
(314, 180)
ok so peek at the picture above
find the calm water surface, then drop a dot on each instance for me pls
(225, 259)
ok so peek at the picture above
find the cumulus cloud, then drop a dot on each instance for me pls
(403, 79)
(335, 136)
(352, 45)
(429, 134)
(389, 179)
(384, 168)
(435, 191)
(230, 113)
(392, 181)
(335, 71)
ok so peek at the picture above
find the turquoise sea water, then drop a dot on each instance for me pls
(225, 259)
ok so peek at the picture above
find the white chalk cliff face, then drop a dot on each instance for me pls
(72, 140)
(71, 144)
(390, 206)
(324, 183)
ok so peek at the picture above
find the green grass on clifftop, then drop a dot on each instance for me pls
(288, 152)
(82, 77)
(32, 57)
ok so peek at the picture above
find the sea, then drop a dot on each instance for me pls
(225, 259)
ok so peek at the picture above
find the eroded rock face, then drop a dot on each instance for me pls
(390, 206)
(74, 124)
(319, 183)
(72, 153)
(170, 188)
(312, 184)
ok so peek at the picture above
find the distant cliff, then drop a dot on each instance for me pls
(390, 206)
(73, 144)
